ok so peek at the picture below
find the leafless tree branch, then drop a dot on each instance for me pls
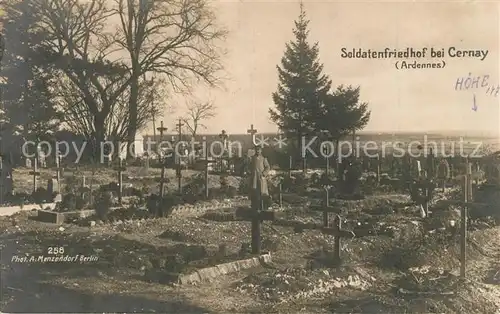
(197, 113)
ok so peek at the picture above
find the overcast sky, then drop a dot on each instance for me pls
(406, 100)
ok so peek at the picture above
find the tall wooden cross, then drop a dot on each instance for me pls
(338, 234)
(178, 166)
(443, 173)
(465, 205)
(58, 170)
(325, 208)
(207, 162)
(252, 132)
(258, 214)
(431, 165)
(162, 129)
(326, 153)
(179, 126)
(120, 170)
(35, 173)
(223, 136)
(378, 168)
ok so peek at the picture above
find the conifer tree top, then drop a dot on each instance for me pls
(302, 85)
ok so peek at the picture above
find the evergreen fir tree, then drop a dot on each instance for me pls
(343, 113)
(302, 87)
(28, 104)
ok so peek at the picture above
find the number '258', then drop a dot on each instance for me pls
(55, 250)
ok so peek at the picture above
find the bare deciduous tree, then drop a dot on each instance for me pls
(177, 38)
(79, 45)
(150, 105)
(197, 113)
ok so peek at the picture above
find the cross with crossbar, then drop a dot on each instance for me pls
(35, 173)
(465, 204)
(259, 216)
(163, 180)
(252, 132)
(325, 208)
(178, 168)
(120, 168)
(338, 233)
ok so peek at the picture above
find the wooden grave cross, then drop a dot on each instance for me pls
(35, 173)
(120, 168)
(325, 208)
(59, 171)
(431, 166)
(162, 129)
(178, 168)
(223, 136)
(84, 189)
(146, 163)
(378, 169)
(465, 204)
(326, 154)
(280, 191)
(259, 215)
(443, 172)
(451, 163)
(206, 162)
(338, 233)
(252, 132)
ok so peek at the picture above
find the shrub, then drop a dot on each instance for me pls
(230, 192)
(315, 179)
(287, 183)
(152, 204)
(189, 195)
(169, 200)
(327, 179)
(244, 186)
(41, 195)
(82, 201)
(68, 202)
(195, 190)
(223, 181)
(300, 183)
(162, 207)
(369, 185)
(110, 187)
(132, 191)
(226, 190)
(103, 203)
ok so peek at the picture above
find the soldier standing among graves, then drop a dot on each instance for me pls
(259, 168)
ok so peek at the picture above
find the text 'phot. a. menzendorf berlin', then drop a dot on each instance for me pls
(78, 258)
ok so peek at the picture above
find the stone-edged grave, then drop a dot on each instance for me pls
(204, 270)
(58, 218)
(238, 213)
(11, 210)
